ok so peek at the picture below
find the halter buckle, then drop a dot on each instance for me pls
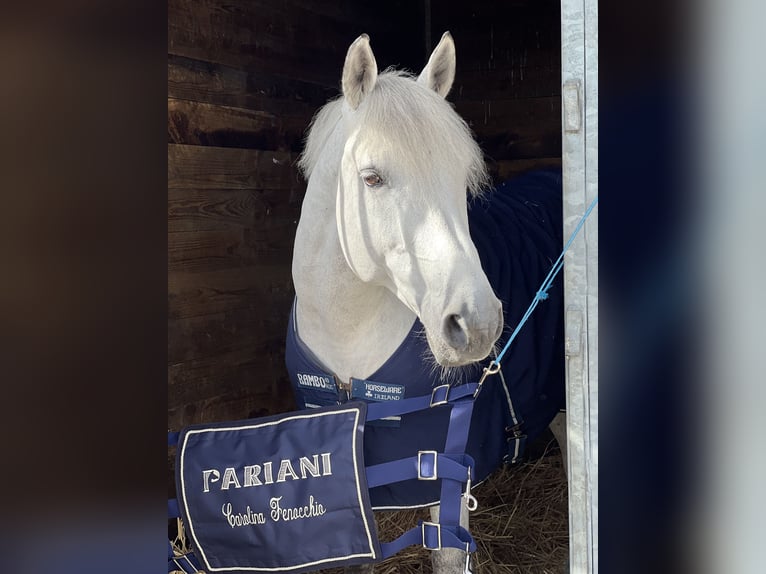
(423, 526)
(434, 475)
(437, 400)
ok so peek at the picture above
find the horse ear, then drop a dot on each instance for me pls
(439, 72)
(360, 72)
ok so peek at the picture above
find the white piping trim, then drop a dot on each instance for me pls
(371, 554)
(416, 507)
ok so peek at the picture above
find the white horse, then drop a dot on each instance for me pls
(383, 239)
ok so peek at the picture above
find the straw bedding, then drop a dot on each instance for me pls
(521, 525)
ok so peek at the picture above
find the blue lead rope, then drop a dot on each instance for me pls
(541, 294)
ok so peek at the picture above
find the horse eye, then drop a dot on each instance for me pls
(372, 180)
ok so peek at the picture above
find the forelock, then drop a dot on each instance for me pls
(423, 127)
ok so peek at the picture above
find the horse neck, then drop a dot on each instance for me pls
(352, 327)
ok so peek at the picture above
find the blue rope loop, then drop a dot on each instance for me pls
(542, 293)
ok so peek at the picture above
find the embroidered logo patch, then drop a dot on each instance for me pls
(372, 391)
(317, 381)
(378, 392)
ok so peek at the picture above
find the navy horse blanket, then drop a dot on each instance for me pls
(517, 230)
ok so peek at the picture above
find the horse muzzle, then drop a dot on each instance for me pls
(466, 337)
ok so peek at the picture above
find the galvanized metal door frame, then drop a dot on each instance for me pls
(579, 75)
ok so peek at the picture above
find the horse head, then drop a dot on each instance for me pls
(408, 163)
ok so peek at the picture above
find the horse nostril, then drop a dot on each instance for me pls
(454, 330)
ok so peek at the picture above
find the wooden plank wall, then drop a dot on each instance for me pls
(507, 84)
(244, 79)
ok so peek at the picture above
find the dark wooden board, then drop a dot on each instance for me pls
(509, 110)
(252, 399)
(264, 36)
(529, 22)
(218, 209)
(249, 288)
(201, 81)
(503, 84)
(215, 333)
(269, 244)
(197, 123)
(228, 372)
(515, 129)
(507, 169)
(200, 167)
(340, 10)
(479, 52)
(514, 144)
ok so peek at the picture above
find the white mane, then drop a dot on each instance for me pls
(410, 118)
(322, 125)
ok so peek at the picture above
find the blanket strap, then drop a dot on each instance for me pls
(427, 465)
(433, 536)
(187, 563)
(453, 467)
